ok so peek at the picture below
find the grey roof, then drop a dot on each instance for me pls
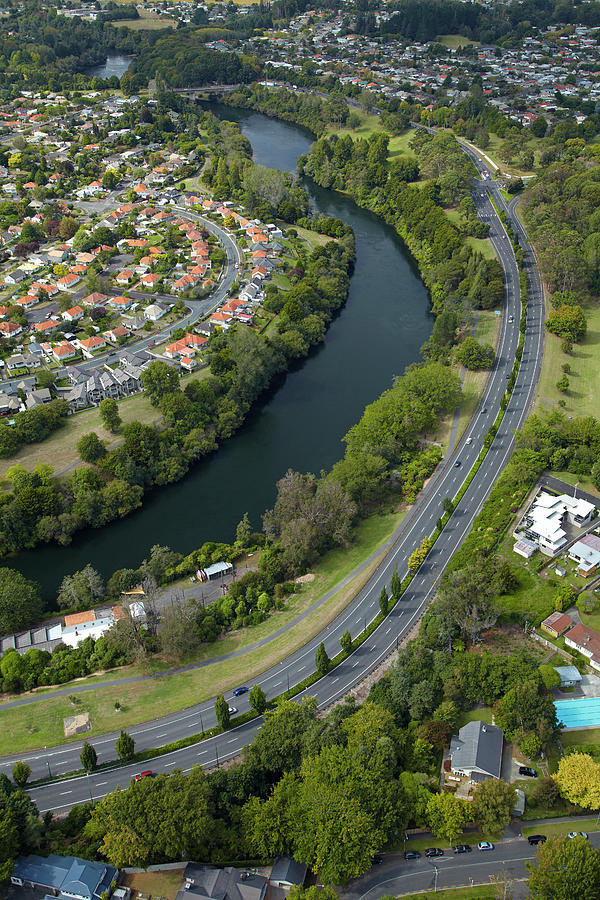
(207, 883)
(568, 673)
(75, 877)
(478, 747)
(286, 869)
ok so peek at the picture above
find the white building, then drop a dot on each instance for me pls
(543, 522)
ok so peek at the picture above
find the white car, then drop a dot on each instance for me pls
(485, 845)
(232, 710)
(469, 440)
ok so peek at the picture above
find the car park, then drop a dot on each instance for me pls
(527, 771)
(434, 851)
(485, 845)
(240, 690)
(462, 848)
(412, 854)
(537, 839)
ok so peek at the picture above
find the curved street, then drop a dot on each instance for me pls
(419, 523)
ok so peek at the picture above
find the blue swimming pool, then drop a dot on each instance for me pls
(579, 713)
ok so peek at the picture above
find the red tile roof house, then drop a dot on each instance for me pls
(587, 641)
(221, 319)
(64, 351)
(125, 276)
(44, 287)
(115, 333)
(93, 299)
(557, 623)
(73, 314)
(92, 344)
(27, 301)
(9, 329)
(45, 327)
(150, 279)
(185, 283)
(3, 312)
(119, 303)
(68, 282)
(187, 362)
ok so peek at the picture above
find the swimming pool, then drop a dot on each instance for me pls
(578, 713)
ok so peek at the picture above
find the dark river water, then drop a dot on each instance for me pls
(301, 422)
(115, 64)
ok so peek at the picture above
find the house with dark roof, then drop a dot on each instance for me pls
(65, 877)
(477, 751)
(286, 873)
(206, 883)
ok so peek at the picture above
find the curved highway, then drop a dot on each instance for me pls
(419, 522)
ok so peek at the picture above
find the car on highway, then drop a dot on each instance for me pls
(232, 710)
(462, 848)
(485, 845)
(241, 690)
(434, 851)
(412, 854)
(469, 440)
(528, 771)
(140, 775)
(535, 839)
(457, 464)
(484, 410)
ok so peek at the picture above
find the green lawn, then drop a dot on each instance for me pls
(148, 21)
(455, 41)
(155, 884)
(479, 890)
(533, 598)
(580, 738)
(40, 724)
(561, 827)
(476, 715)
(582, 396)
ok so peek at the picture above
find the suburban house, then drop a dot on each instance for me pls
(543, 522)
(91, 344)
(587, 641)
(586, 553)
(477, 751)
(205, 883)
(154, 312)
(286, 873)
(9, 329)
(570, 676)
(63, 351)
(125, 276)
(557, 623)
(119, 303)
(73, 314)
(64, 876)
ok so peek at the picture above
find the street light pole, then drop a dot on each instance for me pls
(48, 763)
(201, 724)
(435, 869)
(576, 486)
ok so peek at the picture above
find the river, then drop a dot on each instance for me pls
(375, 336)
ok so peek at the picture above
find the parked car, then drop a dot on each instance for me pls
(485, 845)
(377, 859)
(574, 834)
(462, 848)
(434, 851)
(239, 691)
(140, 775)
(537, 839)
(412, 854)
(528, 771)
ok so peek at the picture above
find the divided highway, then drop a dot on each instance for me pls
(363, 609)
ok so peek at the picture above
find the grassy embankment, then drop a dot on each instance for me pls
(148, 21)
(39, 724)
(460, 893)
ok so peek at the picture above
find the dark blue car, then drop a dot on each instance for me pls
(239, 691)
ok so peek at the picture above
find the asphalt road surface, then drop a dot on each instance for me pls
(398, 876)
(364, 608)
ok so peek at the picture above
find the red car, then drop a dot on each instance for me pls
(140, 775)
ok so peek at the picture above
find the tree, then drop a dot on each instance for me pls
(395, 584)
(531, 746)
(159, 379)
(550, 677)
(446, 815)
(578, 780)
(546, 793)
(322, 661)
(91, 448)
(81, 590)
(417, 557)
(474, 355)
(88, 757)
(568, 322)
(565, 869)
(384, 601)
(243, 532)
(562, 384)
(20, 601)
(222, 712)
(9, 843)
(447, 505)
(125, 746)
(45, 378)
(257, 699)
(20, 773)
(346, 641)
(179, 633)
(493, 802)
(109, 413)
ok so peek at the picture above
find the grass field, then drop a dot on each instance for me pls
(484, 714)
(577, 480)
(40, 724)
(155, 884)
(582, 397)
(479, 890)
(533, 597)
(148, 21)
(560, 828)
(454, 41)
(582, 737)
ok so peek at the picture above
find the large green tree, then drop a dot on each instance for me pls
(493, 802)
(20, 601)
(447, 815)
(565, 869)
(578, 780)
